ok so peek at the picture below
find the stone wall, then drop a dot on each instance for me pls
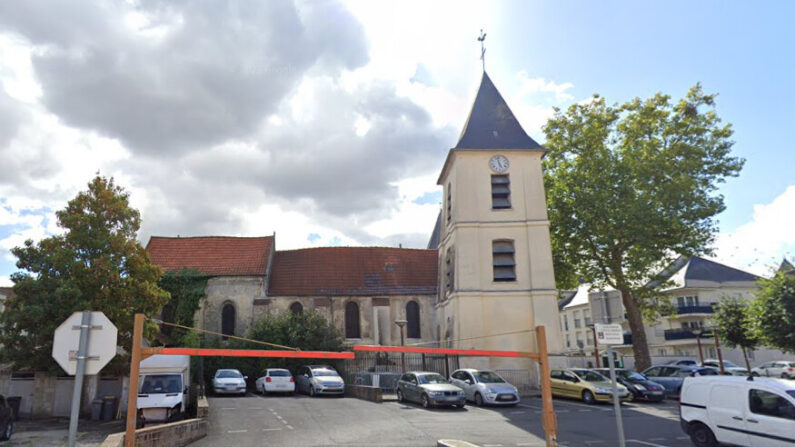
(175, 434)
(239, 291)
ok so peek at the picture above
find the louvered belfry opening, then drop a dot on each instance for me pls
(503, 260)
(500, 192)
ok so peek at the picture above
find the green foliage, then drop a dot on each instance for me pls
(96, 264)
(773, 312)
(734, 324)
(632, 186)
(308, 331)
(186, 288)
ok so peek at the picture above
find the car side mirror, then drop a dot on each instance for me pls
(468, 381)
(306, 375)
(245, 377)
(574, 379)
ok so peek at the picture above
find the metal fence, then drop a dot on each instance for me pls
(522, 379)
(383, 369)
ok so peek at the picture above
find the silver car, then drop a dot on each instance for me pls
(485, 387)
(229, 381)
(429, 389)
(319, 379)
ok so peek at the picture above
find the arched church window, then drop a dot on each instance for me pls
(413, 319)
(228, 319)
(352, 329)
(296, 308)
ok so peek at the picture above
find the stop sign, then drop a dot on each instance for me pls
(101, 343)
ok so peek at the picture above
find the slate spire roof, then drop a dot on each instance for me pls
(492, 124)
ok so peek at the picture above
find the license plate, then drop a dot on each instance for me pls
(505, 398)
(656, 393)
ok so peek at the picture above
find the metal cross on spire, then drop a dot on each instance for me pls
(481, 39)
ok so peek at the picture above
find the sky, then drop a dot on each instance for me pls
(327, 122)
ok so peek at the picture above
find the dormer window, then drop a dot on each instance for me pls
(500, 192)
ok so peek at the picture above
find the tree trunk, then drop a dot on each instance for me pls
(640, 347)
(747, 363)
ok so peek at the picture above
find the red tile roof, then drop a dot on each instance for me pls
(330, 271)
(212, 255)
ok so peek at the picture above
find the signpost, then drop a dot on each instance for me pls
(79, 354)
(613, 334)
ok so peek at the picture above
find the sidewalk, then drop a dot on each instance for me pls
(55, 432)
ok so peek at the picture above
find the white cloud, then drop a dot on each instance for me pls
(531, 86)
(759, 245)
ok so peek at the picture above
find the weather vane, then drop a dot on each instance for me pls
(482, 48)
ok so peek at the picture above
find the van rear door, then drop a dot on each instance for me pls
(726, 413)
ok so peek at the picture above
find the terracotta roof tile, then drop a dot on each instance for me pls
(330, 271)
(212, 255)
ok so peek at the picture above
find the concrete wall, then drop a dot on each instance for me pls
(46, 395)
(175, 434)
(371, 393)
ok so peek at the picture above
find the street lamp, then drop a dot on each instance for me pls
(697, 332)
(401, 324)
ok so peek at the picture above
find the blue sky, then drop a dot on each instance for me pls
(327, 122)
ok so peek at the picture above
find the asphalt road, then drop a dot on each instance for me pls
(330, 421)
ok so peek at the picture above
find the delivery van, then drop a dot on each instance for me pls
(163, 388)
(742, 411)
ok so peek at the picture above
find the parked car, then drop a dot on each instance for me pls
(275, 380)
(485, 387)
(429, 389)
(671, 376)
(738, 411)
(585, 384)
(639, 386)
(729, 368)
(6, 419)
(229, 381)
(779, 368)
(683, 362)
(319, 379)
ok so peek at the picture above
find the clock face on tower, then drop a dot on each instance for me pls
(499, 163)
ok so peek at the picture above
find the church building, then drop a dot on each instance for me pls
(484, 282)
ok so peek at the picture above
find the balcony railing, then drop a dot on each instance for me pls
(708, 309)
(684, 334)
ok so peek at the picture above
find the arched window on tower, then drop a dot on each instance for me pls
(228, 319)
(296, 308)
(413, 319)
(352, 320)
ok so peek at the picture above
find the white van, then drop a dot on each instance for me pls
(749, 412)
(163, 388)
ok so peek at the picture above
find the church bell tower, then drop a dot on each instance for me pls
(495, 256)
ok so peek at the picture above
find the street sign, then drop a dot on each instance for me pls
(101, 343)
(609, 334)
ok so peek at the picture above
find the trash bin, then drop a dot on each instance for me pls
(14, 402)
(96, 409)
(109, 408)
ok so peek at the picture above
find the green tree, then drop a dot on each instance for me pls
(186, 288)
(96, 264)
(307, 330)
(734, 323)
(773, 312)
(630, 187)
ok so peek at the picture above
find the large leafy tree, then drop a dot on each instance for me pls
(734, 323)
(186, 289)
(630, 187)
(95, 264)
(773, 312)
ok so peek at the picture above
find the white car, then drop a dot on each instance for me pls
(756, 412)
(319, 379)
(729, 368)
(779, 368)
(485, 387)
(275, 380)
(229, 381)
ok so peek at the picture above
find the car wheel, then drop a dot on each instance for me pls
(400, 396)
(784, 376)
(632, 397)
(8, 431)
(312, 391)
(702, 436)
(478, 400)
(588, 397)
(755, 374)
(460, 405)
(426, 403)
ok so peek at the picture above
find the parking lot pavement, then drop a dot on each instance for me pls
(331, 421)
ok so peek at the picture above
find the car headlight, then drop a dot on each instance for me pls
(640, 387)
(603, 390)
(490, 393)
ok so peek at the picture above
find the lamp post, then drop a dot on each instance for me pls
(595, 345)
(401, 324)
(697, 333)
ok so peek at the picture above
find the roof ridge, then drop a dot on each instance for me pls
(371, 247)
(211, 237)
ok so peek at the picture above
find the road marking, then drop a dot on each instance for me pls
(646, 443)
(683, 437)
(290, 427)
(271, 429)
(657, 439)
(237, 431)
(492, 445)
(283, 421)
(530, 406)
(256, 408)
(528, 444)
(583, 411)
(229, 408)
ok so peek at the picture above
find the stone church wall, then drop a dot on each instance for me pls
(239, 291)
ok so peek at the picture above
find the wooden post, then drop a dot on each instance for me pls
(548, 419)
(132, 393)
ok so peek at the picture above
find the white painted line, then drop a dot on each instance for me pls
(256, 408)
(682, 437)
(290, 427)
(657, 439)
(646, 443)
(530, 406)
(271, 429)
(283, 421)
(528, 444)
(237, 431)
(492, 445)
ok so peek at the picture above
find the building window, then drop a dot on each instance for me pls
(228, 319)
(566, 322)
(449, 270)
(580, 343)
(503, 261)
(500, 192)
(687, 301)
(413, 319)
(587, 317)
(577, 321)
(568, 341)
(296, 308)
(589, 338)
(449, 202)
(352, 320)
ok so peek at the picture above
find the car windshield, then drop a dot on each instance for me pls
(431, 379)
(791, 392)
(630, 375)
(278, 373)
(590, 376)
(161, 383)
(324, 373)
(229, 374)
(488, 377)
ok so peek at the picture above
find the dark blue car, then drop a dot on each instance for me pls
(672, 376)
(640, 387)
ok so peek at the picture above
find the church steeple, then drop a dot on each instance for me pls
(492, 124)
